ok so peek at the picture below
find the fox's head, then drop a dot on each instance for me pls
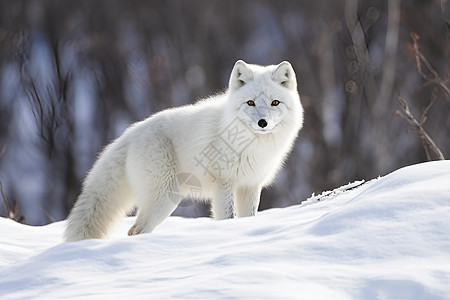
(265, 97)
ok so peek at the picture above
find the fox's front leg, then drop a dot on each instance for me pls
(223, 202)
(247, 200)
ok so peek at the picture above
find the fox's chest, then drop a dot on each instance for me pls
(244, 162)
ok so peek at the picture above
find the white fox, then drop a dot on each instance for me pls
(224, 149)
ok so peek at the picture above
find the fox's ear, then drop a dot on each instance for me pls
(284, 74)
(240, 75)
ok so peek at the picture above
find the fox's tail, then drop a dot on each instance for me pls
(105, 197)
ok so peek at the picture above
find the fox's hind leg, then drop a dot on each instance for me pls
(157, 197)
(152, 170)
(153, 210)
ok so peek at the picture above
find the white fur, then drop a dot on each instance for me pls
(216, 141)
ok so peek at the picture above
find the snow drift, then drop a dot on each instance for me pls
(385, 239)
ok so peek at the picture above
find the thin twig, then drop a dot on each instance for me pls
(11, 213)
(420, 59)
(427, 141)
(424, 116)
(47, 214)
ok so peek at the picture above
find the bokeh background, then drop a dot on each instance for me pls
(74, 74)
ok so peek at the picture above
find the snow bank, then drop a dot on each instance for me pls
(385, 239)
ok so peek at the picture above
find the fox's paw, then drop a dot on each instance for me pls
(133, 230)
(138, 228)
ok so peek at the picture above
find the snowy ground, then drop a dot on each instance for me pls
(386, 239)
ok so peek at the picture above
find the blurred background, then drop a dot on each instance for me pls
(74, 74)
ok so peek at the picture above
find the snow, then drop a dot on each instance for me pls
(388, 238)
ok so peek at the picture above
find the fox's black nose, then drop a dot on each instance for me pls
(262, 123)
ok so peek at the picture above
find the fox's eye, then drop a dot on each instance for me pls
(251, 103)
(275, 102)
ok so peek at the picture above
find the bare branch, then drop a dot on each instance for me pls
(420, 59)
(11, 213)
(428, 143)
(424, 116)
(47, 214)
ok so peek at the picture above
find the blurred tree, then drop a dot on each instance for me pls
(75, 74)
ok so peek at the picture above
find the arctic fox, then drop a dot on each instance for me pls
(224, 149)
